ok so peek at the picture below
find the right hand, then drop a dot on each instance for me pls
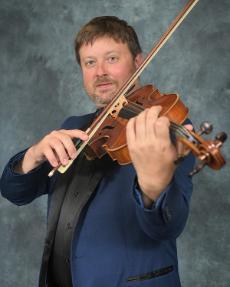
(57, 148)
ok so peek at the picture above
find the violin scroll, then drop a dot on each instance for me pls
(207, 151)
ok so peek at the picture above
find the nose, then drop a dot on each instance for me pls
(101, 69)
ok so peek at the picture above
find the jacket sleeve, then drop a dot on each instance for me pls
(168, 215)
(21, 189)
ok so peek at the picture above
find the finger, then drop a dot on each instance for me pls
(75, 134)
(189, 127)
(131, 133)
(50, 156)
(67, 143)
(179, 149)
(182, 149)
(60, 151)
(140, 125)
(161, 128)
(151, 118)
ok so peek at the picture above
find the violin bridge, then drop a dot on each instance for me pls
(117, 106)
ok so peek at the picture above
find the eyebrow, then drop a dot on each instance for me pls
(107, 53)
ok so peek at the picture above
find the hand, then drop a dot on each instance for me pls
(151, 151)
(57, 148)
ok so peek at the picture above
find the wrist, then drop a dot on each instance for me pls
(150, 189)
(29, 162)
(152, 185)
(147, 201)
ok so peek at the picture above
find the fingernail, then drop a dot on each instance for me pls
(85, 136)
(54, 163)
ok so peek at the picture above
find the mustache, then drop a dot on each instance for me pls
(103, 80)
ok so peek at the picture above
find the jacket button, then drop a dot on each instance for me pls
(76, 193)
(67, 260)
(69, 226)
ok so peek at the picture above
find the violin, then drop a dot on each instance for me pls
(111, 137)
(107, 133)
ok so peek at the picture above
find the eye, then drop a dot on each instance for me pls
(112, 59)
(90, 63)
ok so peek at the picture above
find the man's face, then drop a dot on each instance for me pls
(106, 65)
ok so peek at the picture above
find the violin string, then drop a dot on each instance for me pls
(140, 109)
(182, 129)
(179, 130)
(133, 106)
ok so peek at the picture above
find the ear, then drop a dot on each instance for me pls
(138, 60)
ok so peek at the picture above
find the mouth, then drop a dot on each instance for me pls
(104, 85)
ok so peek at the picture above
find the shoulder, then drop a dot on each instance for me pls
(78, 122)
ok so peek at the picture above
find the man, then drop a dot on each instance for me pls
(124, 230)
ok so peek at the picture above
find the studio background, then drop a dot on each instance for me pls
(41, 85)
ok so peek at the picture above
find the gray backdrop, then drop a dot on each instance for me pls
(41, 85)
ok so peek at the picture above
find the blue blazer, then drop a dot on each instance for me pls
(117, 242)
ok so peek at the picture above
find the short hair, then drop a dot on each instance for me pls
(109, 26)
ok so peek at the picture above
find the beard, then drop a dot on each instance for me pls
(102, 101)
(102, 97)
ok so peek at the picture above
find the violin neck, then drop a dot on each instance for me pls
(176, 130)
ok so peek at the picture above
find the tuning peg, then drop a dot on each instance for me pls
(222, 136)
(205, 128)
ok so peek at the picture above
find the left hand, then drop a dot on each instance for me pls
(151, 151)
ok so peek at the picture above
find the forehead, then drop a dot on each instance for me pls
(102, 46)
